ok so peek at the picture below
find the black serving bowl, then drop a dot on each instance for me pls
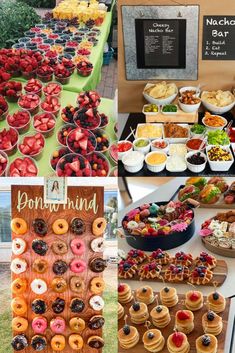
(165, 242)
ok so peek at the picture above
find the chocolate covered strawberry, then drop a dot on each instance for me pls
(3, 163)
(102, 140)
(23, 167)
(32, 145)
(34, 86)
(57, 154)
(88, 99)
(87, 118)
(20, 120)
(44, 123)
(68, 113)
(99, 164)
(73, 165)
(3, 108)
(30, 102)
(51, 104)
(81, 141)
(63, 133)
(52, 89)
(8, 139)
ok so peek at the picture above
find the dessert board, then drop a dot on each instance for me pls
(86, 203)
(198, 330)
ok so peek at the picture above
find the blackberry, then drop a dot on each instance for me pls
(166, 289)
(136, 306)
(210, 315)
(158, 309)
(206, 340)
(126, 329)
(216, 296)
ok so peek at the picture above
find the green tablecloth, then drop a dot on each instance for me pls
(67, 97)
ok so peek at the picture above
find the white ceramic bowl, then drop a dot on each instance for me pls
(133, 161)
(144, 149)
(189, 108)
(220, 166)
(157, 167)
(214, 109)
(121, 154)
(193, 167)
(215, 128)
(190, 88)
(164, 150)
(159, 101)
(150, 113)
(191, 149)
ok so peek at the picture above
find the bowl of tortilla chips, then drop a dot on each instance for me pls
(160, 93)
(218, 102)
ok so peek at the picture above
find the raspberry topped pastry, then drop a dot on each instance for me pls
(178, 342)
(160, 257)
(206, 260)
(184, 321)
(176, 273)
(200, 275)
(127, 269)
(150, 271)
(138, 256)
(182, 259)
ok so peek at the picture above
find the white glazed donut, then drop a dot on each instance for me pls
(97, 245)
(18, 266)
(38, 286)
(18, 246)
(96, 302)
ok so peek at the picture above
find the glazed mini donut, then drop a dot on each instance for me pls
(58, 305)
(77, 246)
(77, 324)
(39, 324)
(95, 342)
(57, 325)
(39, 306)
(77, 305)
(96, 322)
(59, 267)
(19, 306)
(40, 227)
(77, 226)
(19, 342)
(97, 264)
(96, 303)
(77, 284)
(76, 342)
(18, 246)
(19, 324)
(18, 266)
(58, 343)
(19, 226)
(19, 286)
(40, 247)
(40, 266)
(59, 285)
(98, 226)
(97, 285)
(78, 266)
(97, 245)
(59, 247)
(38, 343)
(60, 226)
(38, 286)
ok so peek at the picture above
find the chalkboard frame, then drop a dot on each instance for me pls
(140, 54)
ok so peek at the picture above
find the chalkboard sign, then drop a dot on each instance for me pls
(218, 38)
(160, 43)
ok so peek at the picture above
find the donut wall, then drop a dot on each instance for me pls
(57, 271)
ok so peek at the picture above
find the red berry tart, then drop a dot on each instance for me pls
(182, 259)
(150, 271)
(160, 257)
(177, 273)
(73, 165)
(127, 269)
(207, 260)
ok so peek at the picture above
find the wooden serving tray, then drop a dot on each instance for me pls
(217, 250)
(220, 274)
(198, 330)
(179, 117)
(23, 206)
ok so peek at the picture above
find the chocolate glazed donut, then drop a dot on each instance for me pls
(98, 264)
(38, 343)
(19, 342)
(96, 322)
(40, 227)
(77, 226)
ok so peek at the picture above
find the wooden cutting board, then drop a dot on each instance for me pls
(27, 203)
(220, 274)
(198, 330)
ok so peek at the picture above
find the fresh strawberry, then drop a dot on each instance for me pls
(183, 315)
(178, 339)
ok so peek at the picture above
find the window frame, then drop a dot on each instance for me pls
(5, 245)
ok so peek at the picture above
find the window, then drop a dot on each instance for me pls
(5, 216)
(110, 213)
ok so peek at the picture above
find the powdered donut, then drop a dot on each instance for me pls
(78, 266)
(97, 245)
(39, 324)
(96, 303)
(18, 246)
(18, 266)
(77, 246)
(38, 286)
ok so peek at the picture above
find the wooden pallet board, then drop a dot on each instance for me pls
(179, 117)
(198, 330)
(28, 211)
(220, 274)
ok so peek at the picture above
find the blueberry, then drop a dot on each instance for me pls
(201, 274)
(158, 309)
(206, 340)
(166, 289)
(210, 316)
(136, 306)
(150, 335)
(215, 296)
(144, 290)
(126, 329)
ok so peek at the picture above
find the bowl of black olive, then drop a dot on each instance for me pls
(196, 161)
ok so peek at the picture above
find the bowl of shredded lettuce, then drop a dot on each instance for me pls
(218, 137)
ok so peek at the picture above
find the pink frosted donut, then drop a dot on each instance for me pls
(77, 246)
(39, 324)
(57, 325)
(77, 266)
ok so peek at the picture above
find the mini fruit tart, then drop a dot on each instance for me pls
(201, 275)
(177, 273)
(150, 271)
(138, 256)
(127, 269)
(160, 257)
(181, 258)
(204, 259)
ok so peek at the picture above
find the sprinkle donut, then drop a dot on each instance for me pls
(99, 226)
(58, 343)
(77, 305)
(96, 303)
(18, 246)
(19, 324)
(19, 286)
(40, 227)
(19, 306)
(39, 324)
(59, 284)
(39, 306)
(18, 266)
(76, 342)
(77, 284)
(77, 246)
(19, 342)
(59, 247)
(40, 247)
(60, 226)
(40, 266)
(97, 245)
(77, 324)
(38, 343)
(97, 265)
(97, 285)
(19, 226)
(77, 226)
(78, 266)
(38, 286)
(57, 325)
